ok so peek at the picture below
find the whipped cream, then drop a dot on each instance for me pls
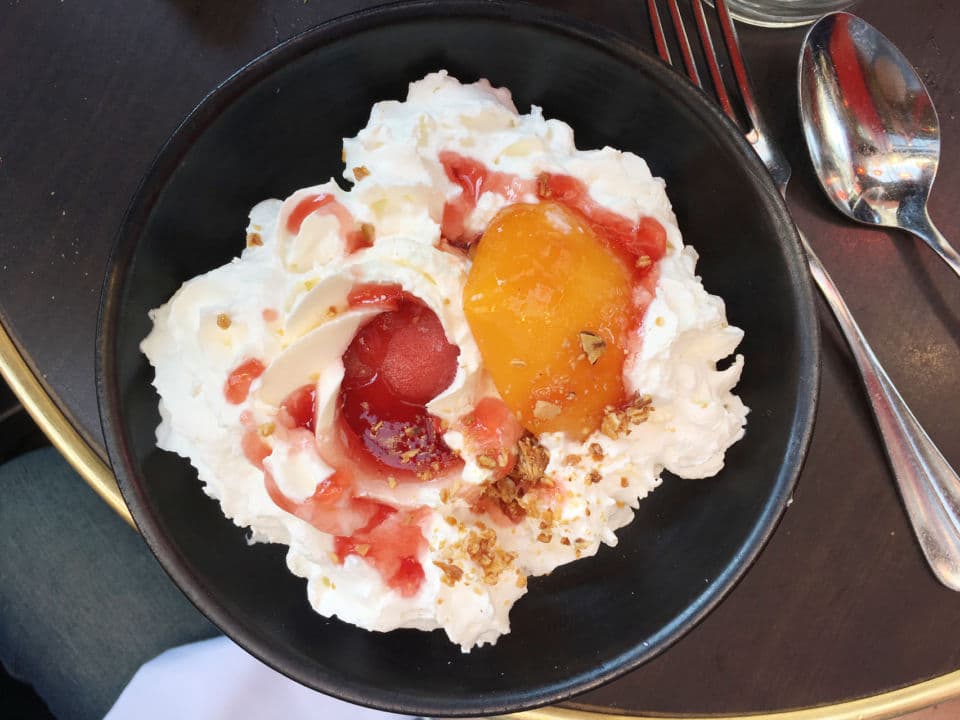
(286, 302)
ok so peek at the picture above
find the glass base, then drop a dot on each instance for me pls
(783, 13)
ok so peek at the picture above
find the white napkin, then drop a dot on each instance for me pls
(217, 680)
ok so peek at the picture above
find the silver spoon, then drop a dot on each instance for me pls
(928, 485)
(871, 128)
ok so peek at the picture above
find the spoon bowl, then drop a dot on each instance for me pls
(871, 128)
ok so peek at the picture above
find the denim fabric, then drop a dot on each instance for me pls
(83, 602)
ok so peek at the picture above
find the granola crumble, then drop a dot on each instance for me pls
(596, 452)
(618, 422)
(451, 573)
(482, 547)
(512, 494)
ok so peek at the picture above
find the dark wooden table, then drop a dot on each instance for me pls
(840, 605)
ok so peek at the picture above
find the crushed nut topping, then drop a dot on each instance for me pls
(594, 477)
(544, 410)
(512, 494)
(254, 239)
(486, 462)
(266, 429)
(451, 573)
(644, 261)
(617, 422)
(532, 460)
(593, 346)
(544, 537)
(482, 547)
(360, 172)
(223, 321)
(369, 233)
(505, 494)
(572, 460)
(624, 482)
(610, 425)
(543, 186)
(596, 452)
(639, 409)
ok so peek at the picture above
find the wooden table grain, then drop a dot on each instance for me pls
(839, 606)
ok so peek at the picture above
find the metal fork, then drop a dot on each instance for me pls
(929, 487)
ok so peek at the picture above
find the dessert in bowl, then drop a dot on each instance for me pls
(465, 370)
(271, 130)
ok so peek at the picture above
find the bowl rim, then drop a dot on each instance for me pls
(205, 113)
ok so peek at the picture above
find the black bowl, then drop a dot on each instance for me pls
(275, 126)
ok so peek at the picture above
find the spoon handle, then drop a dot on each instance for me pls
(922, 226)
(928, 485)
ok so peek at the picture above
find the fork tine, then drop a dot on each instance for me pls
(658, 35)
(710, 53)
(681, 31)
(769, 153)
(736, 62)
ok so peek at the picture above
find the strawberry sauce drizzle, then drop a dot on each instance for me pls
(646, 238)
(491, 428)
(325, 204)
(385, 296)
(641, 244)
(255, 450)
(238, 383)
(299, 408)
(474, 179)
(391, 541)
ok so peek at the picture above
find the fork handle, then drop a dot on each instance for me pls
(928, 485)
